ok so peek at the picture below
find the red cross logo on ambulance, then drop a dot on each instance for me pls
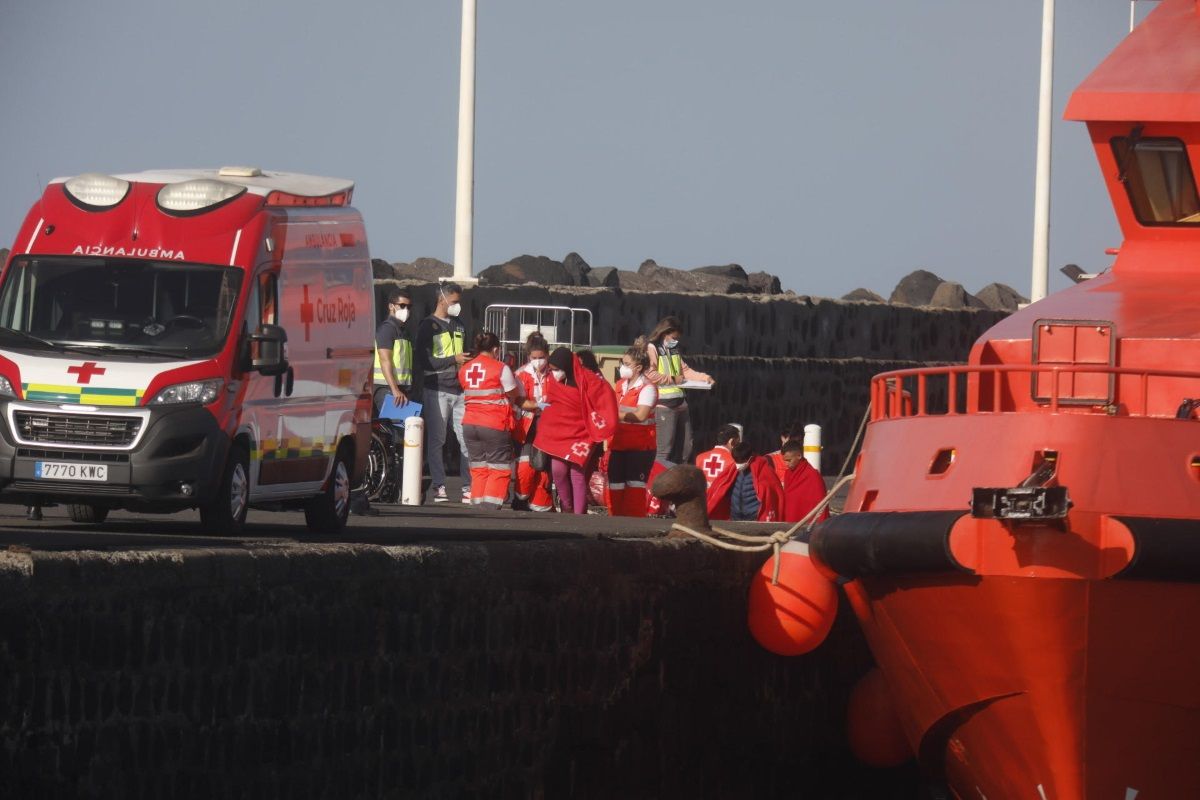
(332, 311)
(475, 375)
(306, 314)
(84, 372)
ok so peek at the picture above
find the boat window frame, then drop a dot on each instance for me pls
(1128, 162)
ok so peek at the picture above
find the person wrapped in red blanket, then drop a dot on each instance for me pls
(750, 491)
(582, 411)
(803, 486)
(717, 466)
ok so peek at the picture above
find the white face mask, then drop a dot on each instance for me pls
(539, 364)
(454, 309)
(742, 466)
(401, 314)
(626, 372)
(671, 344)
(558, 374)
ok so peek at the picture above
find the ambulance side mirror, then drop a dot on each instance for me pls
(268, 350)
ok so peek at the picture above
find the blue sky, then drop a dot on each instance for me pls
(835, 144)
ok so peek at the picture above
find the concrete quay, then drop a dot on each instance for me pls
(429, 652)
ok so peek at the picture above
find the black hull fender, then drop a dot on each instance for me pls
(1164, 550)
(870, 543)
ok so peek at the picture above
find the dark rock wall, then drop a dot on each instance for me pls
(765, 395)
(740, 325)
(576, 668)
(776, 360)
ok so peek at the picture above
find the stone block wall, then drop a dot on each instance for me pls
(776, 359)
(563, 668)
(780, 326)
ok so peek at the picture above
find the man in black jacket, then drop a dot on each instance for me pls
(439, 353)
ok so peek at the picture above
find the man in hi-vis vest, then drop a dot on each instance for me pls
(394, 351)
(393, 370)
(439, 355)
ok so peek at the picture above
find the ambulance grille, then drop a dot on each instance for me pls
(76, 429)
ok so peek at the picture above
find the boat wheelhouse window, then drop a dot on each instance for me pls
(1158, 177)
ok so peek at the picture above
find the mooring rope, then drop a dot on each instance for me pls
(775, 541)
(772, 541)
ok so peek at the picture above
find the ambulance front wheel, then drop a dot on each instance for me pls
(225, 514)
(86, 512)
(328, 511)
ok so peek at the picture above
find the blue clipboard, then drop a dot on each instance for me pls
(399, 413)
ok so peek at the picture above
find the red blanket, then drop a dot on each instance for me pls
(803, 488)
(766, 486)
(577, 416)
(719, 474)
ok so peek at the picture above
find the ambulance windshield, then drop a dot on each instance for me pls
(147, 307)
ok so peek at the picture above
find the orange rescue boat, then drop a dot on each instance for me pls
(1022, 537)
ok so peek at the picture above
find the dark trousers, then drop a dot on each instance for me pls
(673, 434)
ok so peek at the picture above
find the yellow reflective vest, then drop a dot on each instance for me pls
(402, 363)
(669, 364)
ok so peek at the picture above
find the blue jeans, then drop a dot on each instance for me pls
(441, 407)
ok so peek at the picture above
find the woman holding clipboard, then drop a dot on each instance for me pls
(672, 421)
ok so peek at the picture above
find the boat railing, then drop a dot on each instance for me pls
(1023, 388)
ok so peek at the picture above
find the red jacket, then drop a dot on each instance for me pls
(778, 463)
(486, 403)
(535, 388)
(803, 488)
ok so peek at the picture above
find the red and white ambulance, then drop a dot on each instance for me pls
(187, 339)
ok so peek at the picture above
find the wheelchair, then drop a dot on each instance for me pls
(385, 462)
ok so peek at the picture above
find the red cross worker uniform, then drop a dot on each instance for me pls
(631, 453)
(487, 427)
(533, 485)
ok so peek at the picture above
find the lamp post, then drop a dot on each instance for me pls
(464, 205)
(1041, 201)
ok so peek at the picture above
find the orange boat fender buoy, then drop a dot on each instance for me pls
(794, 615)
(872, 725)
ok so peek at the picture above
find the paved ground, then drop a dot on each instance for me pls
(395, 525)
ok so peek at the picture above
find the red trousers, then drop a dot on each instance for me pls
(533, 486)
(490, 453)
(628, 478)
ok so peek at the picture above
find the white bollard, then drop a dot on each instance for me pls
(414, 457)
(812, 446)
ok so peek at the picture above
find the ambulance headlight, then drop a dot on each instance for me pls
(93, 191)
(203, 392)
(193, 197)
(6, 387)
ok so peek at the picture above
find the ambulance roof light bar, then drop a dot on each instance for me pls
(280, 198)
(196, 196)
(93, 191)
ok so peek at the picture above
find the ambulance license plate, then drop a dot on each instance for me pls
(68, 471)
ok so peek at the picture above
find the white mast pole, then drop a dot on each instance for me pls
(464, 207)
(1041, 205)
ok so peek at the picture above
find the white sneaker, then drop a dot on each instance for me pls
(466, 493)
(439, 496)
